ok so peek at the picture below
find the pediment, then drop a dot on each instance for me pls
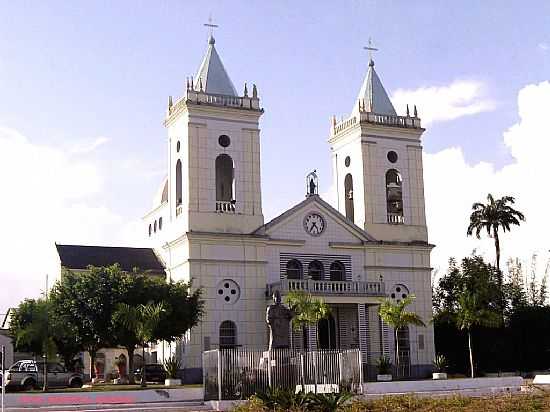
(293, 224)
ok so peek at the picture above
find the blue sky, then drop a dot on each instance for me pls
(75, 72)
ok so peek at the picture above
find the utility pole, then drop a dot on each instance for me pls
(46, 346)
(3, 360)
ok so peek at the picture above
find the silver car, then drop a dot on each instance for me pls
(28, 375)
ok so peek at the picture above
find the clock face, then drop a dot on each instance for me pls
(314, 224)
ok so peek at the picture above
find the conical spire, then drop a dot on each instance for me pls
(375, 97)
(212, 74)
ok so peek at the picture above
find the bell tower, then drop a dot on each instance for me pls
(377, 165)
(214, 153)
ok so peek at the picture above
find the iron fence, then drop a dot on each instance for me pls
(240, 373)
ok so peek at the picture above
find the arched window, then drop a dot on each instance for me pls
(155, 227)
(228, 335)
(316, 270)
(160, 223)
(150, 229)
(178, 183)
(348, 196)
(224, 178)
(337, 271)
(394, 196)
(294, 269)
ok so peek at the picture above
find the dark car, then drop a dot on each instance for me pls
(154, 372)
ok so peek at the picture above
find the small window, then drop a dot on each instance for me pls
(337, 271)
(347, 162)
(160, 223)
(155, 227)
(392, 156)
(294, 269)
(178, 146)
(420, 342)
(228, 335)
(224, 140)
(316, 270)
(178, 183)
(150, 229)
(224, 178)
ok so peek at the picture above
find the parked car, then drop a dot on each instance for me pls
(29, 375)
(154, 372)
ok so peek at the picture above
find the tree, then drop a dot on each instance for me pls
(395, 315)
(85, 302)
(183, 310)
(308, 310)
(29, 328)
(470, 313)
(144, 321)
(492, 216)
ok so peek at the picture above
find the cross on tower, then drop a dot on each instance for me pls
(370, 48)
(211, 25)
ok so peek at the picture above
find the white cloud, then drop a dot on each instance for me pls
(47, 196)
(88, 146)
(452, 185)
(437, 104)
(544, 46)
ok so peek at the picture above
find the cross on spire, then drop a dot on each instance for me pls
(211, 25)
(370, 48)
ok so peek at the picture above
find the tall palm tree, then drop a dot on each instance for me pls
(471, 313)
(395, 315)
(144, 321)
(493, 215)
(307, 309)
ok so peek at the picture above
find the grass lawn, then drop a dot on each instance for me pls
(538, 401)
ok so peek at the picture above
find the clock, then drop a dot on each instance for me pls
(314, 224)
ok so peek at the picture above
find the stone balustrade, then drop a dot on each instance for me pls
(328, 287)
(225, 206)
(396, 218)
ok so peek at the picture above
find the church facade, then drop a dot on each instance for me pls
(207, 224)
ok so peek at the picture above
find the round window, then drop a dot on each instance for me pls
(347, 162)
(399, 292)
(392, 156)
(228, 291)
(178, 146)
(224, 140)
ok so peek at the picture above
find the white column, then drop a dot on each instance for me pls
(363, 331)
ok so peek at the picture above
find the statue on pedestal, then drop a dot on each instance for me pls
(278, 317)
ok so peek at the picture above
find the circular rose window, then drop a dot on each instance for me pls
(228, 291)
(399, 292)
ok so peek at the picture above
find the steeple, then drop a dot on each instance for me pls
(372, 96)
(212, 74)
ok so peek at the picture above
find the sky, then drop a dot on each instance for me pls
(84, 87)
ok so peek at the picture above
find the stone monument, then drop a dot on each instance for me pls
(278, 317)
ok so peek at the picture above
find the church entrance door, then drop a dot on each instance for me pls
(326, 328)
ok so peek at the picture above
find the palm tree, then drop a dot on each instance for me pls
(395, 315)
(491, 216)
(307, 309)
(144, 321)
(471, 313)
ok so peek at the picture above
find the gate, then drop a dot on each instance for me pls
(240, 373)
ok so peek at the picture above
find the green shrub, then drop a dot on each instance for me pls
(172, 366)
(440, 363)
(384, 365)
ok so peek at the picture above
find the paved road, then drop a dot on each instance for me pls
(150, 407)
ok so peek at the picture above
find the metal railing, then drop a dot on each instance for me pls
(240, 373)
(328, 287)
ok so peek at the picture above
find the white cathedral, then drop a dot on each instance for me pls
(206, 224)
